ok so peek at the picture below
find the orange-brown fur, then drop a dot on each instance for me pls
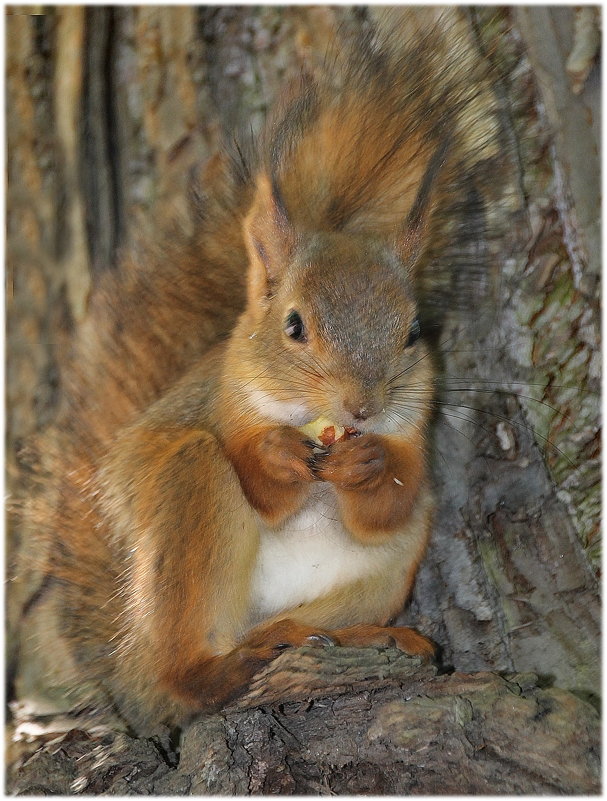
(275, 469)
(372, 504)
(172, 462)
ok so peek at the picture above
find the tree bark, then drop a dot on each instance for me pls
(347, 721)
(507, 585)
(110, 113)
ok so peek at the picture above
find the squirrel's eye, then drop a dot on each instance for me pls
(294, 327)
(414, 333)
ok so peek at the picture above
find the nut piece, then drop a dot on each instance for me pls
(325, 433)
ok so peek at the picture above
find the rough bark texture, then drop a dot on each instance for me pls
(387, 726)
(109, 110)
(507, 585)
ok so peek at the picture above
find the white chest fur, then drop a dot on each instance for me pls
(310, 555)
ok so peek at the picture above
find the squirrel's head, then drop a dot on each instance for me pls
(331, 327)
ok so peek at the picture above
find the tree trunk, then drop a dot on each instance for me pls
(110, 112)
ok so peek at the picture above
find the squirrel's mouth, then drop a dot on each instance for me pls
(297, 413)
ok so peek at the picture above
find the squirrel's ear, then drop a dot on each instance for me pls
(413, 238)
(269, 238)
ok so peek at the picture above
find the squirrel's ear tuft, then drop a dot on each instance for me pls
(269, 238)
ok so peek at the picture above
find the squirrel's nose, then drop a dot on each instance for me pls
(358, 410)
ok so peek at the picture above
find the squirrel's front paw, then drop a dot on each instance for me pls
(287, 455)
(355, 464)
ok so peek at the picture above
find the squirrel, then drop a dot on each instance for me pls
(196, 531)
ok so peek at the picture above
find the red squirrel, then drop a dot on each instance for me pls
(197, 531)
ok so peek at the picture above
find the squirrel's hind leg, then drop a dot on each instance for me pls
(210, 683)
(192, 539)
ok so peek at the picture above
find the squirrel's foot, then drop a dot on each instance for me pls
(267, 641)
(405, 639)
